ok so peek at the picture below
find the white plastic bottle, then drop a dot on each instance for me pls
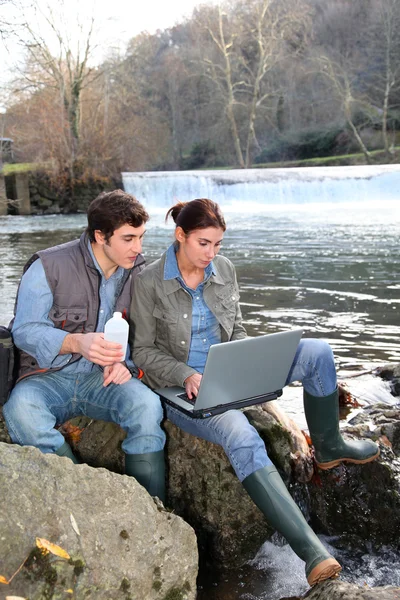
(116, 330)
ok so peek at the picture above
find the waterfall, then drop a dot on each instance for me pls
(266, 186)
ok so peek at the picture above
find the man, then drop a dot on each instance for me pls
(66, 295)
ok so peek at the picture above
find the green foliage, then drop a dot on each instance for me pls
(11, 168)
(303, 145)
(202, 154)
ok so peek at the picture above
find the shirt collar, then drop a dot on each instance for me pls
(116, 275)
(171, 269)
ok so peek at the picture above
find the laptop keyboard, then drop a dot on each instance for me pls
(185, 397)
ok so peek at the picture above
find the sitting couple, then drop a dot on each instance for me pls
(66, 295)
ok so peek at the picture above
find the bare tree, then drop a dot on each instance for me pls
(343, 86)
(383, 78)
(55, 61)
(251, 39)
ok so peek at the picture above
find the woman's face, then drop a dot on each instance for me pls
(198, 248)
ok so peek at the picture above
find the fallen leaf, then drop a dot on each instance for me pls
(45, 546)
(74, 524)
(3, 580)
(385, 441)
(69, 591)
(72, 433)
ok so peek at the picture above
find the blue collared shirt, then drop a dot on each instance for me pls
(205, 327)
(34, 332)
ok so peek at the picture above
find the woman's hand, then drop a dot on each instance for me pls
(192, 385)
(116, 373)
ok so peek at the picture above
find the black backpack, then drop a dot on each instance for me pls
(7, 364)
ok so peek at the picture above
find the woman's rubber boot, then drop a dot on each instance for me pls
(149, 470)
(65, 450)
(267, 490)
(322, 415)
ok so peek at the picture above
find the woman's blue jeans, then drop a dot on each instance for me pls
(313, 365)
(40, 402)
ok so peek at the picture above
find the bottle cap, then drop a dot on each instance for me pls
(117, 315)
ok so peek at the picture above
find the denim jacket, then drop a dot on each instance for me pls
(161, 319)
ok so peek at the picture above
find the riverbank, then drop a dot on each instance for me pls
(378, 157)
(34, 188)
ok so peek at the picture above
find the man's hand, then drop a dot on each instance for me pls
(117, 373)
(93, 347)
(192, 385)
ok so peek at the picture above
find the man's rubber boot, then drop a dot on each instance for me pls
(149, 470)
(267, 490)
(65, 450)
(322, 415)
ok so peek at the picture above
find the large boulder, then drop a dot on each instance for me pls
(122, 544)
(202, 486)
(205, 491)
(364, 500)
(358, 500)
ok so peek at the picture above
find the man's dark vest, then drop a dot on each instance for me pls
(74, 282)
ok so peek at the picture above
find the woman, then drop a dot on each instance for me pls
(188, 300)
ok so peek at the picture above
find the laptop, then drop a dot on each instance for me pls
(238, 374)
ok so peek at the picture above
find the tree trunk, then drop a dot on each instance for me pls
(231, 98)
(363, 147)
(235, 135)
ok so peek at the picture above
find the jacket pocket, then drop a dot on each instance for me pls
(226, 302)
(229, 298)
(166, 325)
(70, 319)
(169, 316)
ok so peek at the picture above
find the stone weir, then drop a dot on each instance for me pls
(244, 188)
(14, 189)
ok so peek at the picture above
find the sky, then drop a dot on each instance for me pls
(116, 22)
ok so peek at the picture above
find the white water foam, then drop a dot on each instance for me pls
(284, 571)
(236, 187)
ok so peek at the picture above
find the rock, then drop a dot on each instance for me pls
(52, 193)
(96, 443)
(364, 500)
(339, 590)
(202, 486)
(356, 500)
(360, 501)
(205, 491)
(44, 202)
(286, 444)
(122, 544)
(391, 372)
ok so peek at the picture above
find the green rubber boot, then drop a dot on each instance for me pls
(267, 490)
(65, 450)
(149, 470)
(322, 415)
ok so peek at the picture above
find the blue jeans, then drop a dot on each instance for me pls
(313, 365)
(39, 402)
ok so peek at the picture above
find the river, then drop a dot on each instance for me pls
(329, 268)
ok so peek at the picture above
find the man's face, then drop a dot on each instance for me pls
(121, 249)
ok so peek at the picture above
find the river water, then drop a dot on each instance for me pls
(330, 268)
